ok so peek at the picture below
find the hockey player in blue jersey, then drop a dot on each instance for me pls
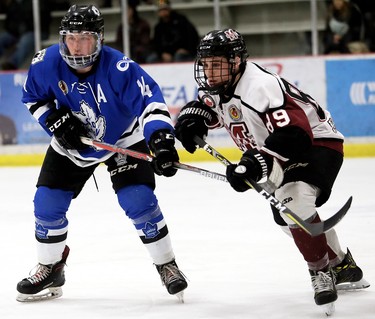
(81, 87)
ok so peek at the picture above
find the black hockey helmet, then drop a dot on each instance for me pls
(227, 43)
(85, 19)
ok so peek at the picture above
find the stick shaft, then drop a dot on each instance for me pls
(312, 229)
(149, 158)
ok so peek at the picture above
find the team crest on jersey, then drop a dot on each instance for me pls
(150, 230)
(39, 56)
(63, 87)
(208, 100)
(95, 125)
(234, 113)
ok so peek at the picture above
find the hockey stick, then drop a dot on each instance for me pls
(312, 229)
(149, 158)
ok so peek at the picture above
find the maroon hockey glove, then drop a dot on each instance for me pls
(253, 165)
(162, 146)
(192, 121)
(66, 128)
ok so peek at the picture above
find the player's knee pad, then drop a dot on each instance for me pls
(51, 204)
(280, 221)
(300, 198)
(138, 201)
(50, 207)
(140, 204)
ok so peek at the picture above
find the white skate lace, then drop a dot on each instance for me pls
(322, 282)
(170, 273)
(41, 273)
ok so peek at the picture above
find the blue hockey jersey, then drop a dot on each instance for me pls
(117, 101)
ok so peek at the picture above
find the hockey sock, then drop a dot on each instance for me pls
(313, 249)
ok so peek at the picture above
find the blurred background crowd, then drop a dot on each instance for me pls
(168, 31)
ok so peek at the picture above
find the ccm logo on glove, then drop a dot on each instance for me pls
(59, 122)
(66, 128)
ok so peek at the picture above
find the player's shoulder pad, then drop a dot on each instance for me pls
(116, 60)
(260, 89)
(44, 56)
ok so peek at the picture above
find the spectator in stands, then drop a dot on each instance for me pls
(368, 10)
(17, 40)
(139, 35)
(175, 37)
(344, 27)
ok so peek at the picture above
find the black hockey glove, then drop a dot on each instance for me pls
(162, 146)
(66, 128)
(191, 121)
(253, 165)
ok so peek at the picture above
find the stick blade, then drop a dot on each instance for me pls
(336, 218)
(324, 226)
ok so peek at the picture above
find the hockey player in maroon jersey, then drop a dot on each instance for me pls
(285, 136)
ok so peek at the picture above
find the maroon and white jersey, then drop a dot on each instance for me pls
(263, 102)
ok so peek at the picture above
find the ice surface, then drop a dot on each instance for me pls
(238, 262)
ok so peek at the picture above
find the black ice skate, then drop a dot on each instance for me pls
(348, 275)
(173, 279)
(323, 283)
(45, 283)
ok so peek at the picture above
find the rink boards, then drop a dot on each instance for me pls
(343, 85)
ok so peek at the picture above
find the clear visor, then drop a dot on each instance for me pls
(80, 49)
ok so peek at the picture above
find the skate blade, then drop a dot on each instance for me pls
(180, 296)
(355, 285)
(328, 308)
(50, 293)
